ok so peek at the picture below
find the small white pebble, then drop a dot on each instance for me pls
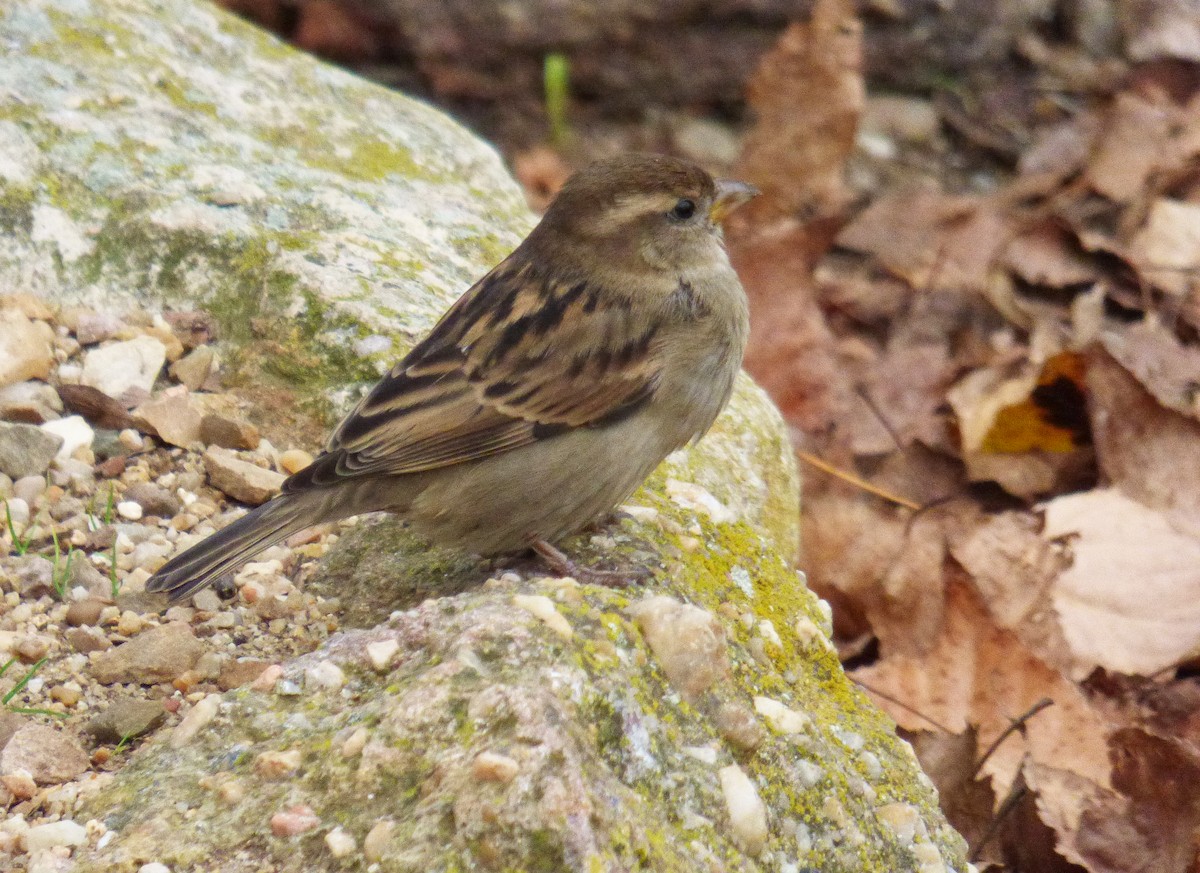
(543, 607)
(766, 630)
(703, 754)
(340, 843)
(381, 652)
(747, 814)
(494, 767)
(326, 675)
(780, 717)
(130, 510)
(154, 867)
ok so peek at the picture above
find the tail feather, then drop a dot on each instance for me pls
(232, 546)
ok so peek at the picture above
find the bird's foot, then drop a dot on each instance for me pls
(559, 563)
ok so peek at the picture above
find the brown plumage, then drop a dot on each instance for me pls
(548, 392)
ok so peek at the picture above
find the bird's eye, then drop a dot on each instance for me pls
(683, 210)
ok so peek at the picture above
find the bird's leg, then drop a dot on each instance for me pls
(559, 563)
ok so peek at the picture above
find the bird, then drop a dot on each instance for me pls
(609, 338)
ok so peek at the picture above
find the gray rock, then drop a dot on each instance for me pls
(193, 369)
(33, 575)
(363, 214)
(48, 755)
(240, 479)
(156, 655)
(26, 450)
(153, 499)
(125, 371)
(125, 718)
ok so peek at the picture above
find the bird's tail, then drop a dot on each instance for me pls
(232, 546)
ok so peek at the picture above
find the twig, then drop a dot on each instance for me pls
(857, 481)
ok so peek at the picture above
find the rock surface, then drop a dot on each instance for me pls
(301, 221)
(157, 655)
(26, 450)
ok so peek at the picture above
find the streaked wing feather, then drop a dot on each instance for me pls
(517, 359)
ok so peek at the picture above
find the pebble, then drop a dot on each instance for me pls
(26, 450)
(125, 371)
(780, 717)
(294, 460)
(236, 673)
(25, 351)
(228, 433)
(87, 639)
(688, 642)
(29, 402)
(543, 607)
(129, 510)
(56, 833)
(325, 675)
(340, 843)
(278, 764)
(156, 655)
(194, 368)
(153, 499)
(49, 756)
(494, 767)
(240, 479)
(197, 717)
(29, 488)
(377, 839)
(33, 574)
(738, 726)
(294, 820)
(96, 327)
(75, 433)
(747, 813)
(381, 653)
(154, 867)
(125, 717)
(172, 418)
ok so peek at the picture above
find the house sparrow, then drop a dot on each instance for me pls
(544, 396)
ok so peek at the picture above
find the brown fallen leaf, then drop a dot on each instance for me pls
(806, 98)
(1149, 452)
(1130, 146)
(978, 674)
(1164, 366)
(1166, 250)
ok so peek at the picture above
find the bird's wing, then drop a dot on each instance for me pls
(518, 358)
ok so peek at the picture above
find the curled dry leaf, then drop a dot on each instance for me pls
(1165, 367)
(1130, 601)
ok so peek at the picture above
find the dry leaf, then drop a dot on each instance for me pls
(1130, 601)
(1167, 250)
(1049, 255)
(806, 97)
(1130, 147)
(1151, 453)
(1013, 569)
(1166, 368)
(977, 674)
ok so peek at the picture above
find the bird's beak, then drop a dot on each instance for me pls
(730, 195)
